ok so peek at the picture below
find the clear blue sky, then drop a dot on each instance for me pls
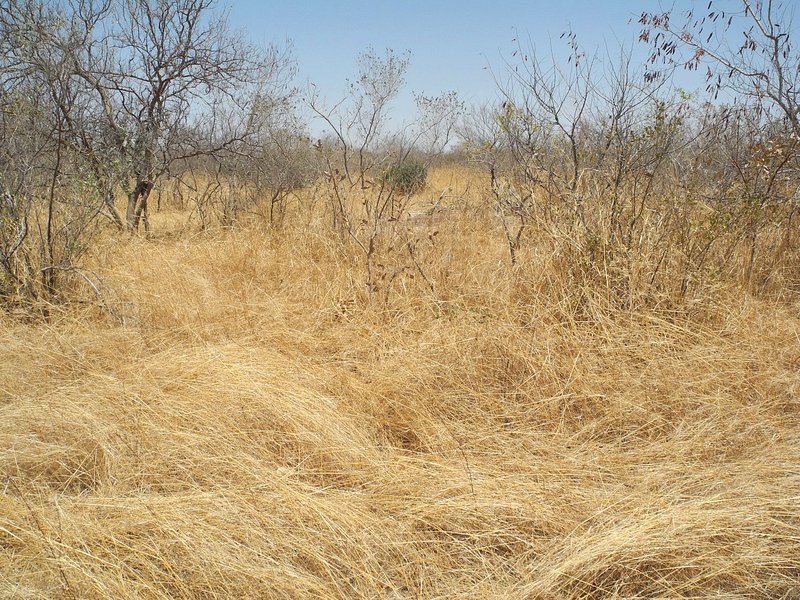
(451, 41)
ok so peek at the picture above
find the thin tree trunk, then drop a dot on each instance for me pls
(137, 205)
(130, 212)
(112, 209)
(48, 275)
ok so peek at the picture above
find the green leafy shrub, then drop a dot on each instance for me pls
(407, 178)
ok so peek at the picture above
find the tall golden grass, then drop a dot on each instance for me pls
(259, 426)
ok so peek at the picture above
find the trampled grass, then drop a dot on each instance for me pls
(258, 426)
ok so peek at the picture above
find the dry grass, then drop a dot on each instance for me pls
(259, 428)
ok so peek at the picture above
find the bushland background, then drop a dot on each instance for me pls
(541, 348)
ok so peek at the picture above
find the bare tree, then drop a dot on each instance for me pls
(161, 81)
(366, 205)
(747, 50)
(752, 62)
(183, 68)
(100, 96)
(47, 119)
(564, 132)
(281, 162)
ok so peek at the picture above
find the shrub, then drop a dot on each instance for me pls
(407, 177)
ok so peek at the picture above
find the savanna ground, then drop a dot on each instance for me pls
(246, 420)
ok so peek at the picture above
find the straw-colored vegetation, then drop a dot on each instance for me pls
(245, 419)
(545, 348)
